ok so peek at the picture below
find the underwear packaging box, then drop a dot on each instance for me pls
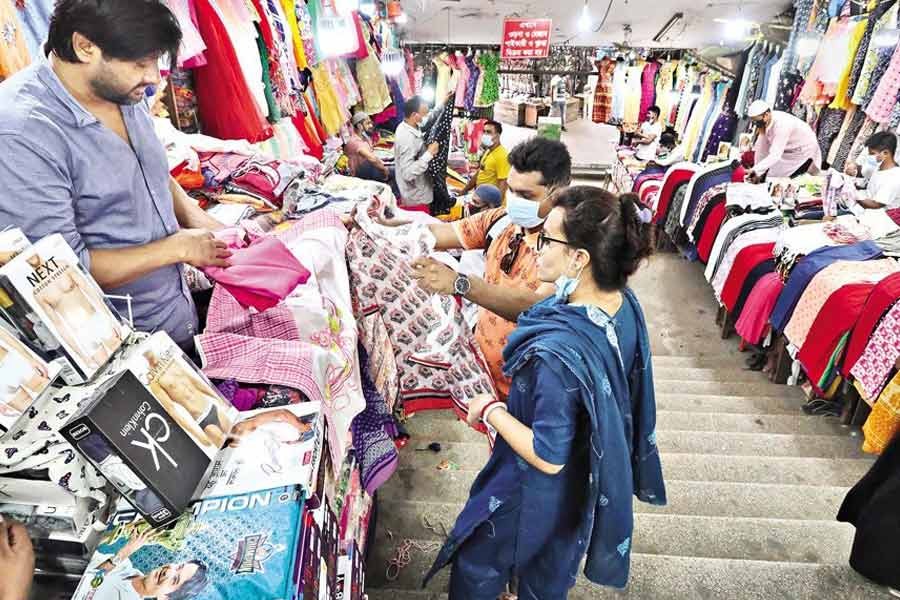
(58, 309)
(153, 427)
(25, 379)
(242, 547)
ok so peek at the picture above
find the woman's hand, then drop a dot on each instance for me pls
(16, 561)
(476, 408)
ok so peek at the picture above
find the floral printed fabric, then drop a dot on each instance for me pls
(884, 101)
(883, 423)
(880, 356)
(439, 366)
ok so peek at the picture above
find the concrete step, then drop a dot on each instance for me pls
(732, 404)
(709, 361)
(786, 470)
(663, 577)
(726, 388)
(438, 425)
(676, 535)
(721, 374)
(698, 498)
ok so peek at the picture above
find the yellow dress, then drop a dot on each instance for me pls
(842, 94)
(698, 116)
(290, 11)
(376, 95)
(332, 114)
(13, 49)
(664, 90)
(884, 421)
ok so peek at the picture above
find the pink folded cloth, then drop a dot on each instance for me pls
(261, 275)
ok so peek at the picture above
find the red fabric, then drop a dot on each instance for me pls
(361, 51)
(882, 298)
(754, 319)
(304, 126)
(425, 208)
(226, 106)
(838, 315)
(261, 275)
(673, 179)
(894, 214)
(746, 261)
(738, 175)
(317, 124)
(648, 86)
(710, 232)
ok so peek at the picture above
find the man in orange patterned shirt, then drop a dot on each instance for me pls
(508, 235)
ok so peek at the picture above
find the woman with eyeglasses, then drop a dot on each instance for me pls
(576, 438)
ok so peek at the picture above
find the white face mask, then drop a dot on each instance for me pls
(522, 212)
(487, 140)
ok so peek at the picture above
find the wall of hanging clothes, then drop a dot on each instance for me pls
(840, 72)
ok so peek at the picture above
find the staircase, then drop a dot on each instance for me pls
(753, 489)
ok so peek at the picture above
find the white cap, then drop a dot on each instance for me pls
(758, 108)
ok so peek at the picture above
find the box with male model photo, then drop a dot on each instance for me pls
(133, 441)
(266, 447)
(240, 547)
(59, 309)
(24, 378)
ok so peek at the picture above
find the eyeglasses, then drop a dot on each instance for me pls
(542, 241)
(507, 262)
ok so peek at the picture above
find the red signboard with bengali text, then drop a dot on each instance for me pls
(526, 38)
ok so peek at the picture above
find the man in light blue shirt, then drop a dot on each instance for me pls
(80, 158)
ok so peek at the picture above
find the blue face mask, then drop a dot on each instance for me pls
(522, 212)
(566, 286)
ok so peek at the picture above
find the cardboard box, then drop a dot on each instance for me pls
(232, 548)
(266, 447)
(57, 307)
(12, 243)
(24, 378)
(153, 428)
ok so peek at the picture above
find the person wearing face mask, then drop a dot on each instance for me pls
(646, 142)
(583, 391)
(785, 145)
(412, 157)
(361, 157)
(493, 167)
(879, 168)
(508, 236)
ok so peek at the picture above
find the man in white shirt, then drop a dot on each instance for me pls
(669, 152)
(411, 157)
(646, 141)
(883, 188)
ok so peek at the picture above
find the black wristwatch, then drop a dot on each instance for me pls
(461, 286)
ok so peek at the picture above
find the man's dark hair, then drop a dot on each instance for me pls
(655, 109)
(412, 105)
(668, 139)
(549, 157)
(194, 585)
(123, 29)
(495, 124)
(881, 141)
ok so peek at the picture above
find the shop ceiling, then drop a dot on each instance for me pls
(480, 21)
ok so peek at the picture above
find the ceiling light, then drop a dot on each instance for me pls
(737, 29)
(668, 27)
(584, 22)
(886, 38)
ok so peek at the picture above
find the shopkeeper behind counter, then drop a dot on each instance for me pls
(785, 145)
(80, 158)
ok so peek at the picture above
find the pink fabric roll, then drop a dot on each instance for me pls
(751, 325)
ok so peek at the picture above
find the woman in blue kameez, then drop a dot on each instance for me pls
(576, 437)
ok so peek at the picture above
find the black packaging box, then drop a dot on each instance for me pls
(133, 442)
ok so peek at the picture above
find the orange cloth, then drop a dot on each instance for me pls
(884, 421)
(492, 330)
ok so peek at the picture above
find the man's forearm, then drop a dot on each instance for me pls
(504, 302)
(113, 268)
(188, 213)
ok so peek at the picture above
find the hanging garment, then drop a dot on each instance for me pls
(871, 506)
(374, 431)
(14, 55)
(372, 84)
(190, 53)
(716, 192)
(878, 359)
(824, 284)
(849, 137)
(665, 91)
(710, 232)
(885, 295)
(754, 319)
(677, 176)
(788, 88)
(648, 87)
(727, 275)
(603, 94)
(883, 423)
(260, 275)
(226, 104)
(802, 12)
(472, 83)
(810, 266)
(722, 131)
(331, 112)
(874, 55)
(731, 231)
(884, 100)
(463, 82)
(832, 62)
(442, 87)
(633, 92)
(706, 179)
(490, 92)
(830, 122)
(620, 90)
(746, 261)
(439, 365)
(437, 169)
